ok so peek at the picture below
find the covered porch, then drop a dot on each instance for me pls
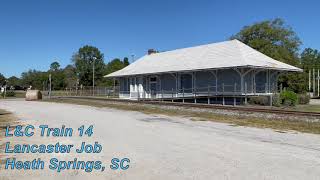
(228, 82)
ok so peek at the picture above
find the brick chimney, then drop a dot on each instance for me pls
(151, 51)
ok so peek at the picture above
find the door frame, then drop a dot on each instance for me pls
(153, 93)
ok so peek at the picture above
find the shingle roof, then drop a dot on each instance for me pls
(225, 54)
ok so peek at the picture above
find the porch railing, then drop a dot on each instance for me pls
(223, 89)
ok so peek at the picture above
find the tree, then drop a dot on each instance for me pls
(114, 65)
(70, 76)
(310, 58)
(278, 41)
(297, 82)
(2, 79)
(58, 80)
(126, 61)
(14, 81)
(83, 61)
(272, 38)
(54, 66)
(34, 78)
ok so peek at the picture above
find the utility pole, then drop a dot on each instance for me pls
(318, 82)
(49, 86)
(314, 83)
(309, 80)
(94, 61)
(5, 89)
(5, 92)
(114, 86)
(77, 83)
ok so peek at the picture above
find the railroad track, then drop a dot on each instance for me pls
(207, 106)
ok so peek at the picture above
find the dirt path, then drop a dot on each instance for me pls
(162, 147)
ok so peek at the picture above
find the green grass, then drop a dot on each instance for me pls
(308, 108)
(304, 108)
(18, 94)
(278, 125)
(6, 118)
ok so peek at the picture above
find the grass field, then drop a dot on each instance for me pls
(307, 108)
(18, 94)
(304, 108)
(6, 118)
(278, 125)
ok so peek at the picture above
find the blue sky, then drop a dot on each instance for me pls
(34, 33)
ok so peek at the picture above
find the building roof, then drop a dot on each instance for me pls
(227, 54)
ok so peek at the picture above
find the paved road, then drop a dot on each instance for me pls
(161, 147)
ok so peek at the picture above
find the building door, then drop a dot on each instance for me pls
(153, 87)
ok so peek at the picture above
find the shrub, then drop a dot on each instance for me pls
(9, 94)
(288, 98)
(276, 100)
(261, 100)
(303, 99)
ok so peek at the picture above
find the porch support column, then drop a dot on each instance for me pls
(252, 80)
(176, 84)
(215, 74)
(216, 81)
(277, 79)
(114, 87)
(242, 74)
(276, 74)
(195, 86)
(160, 86)
(175, 75)
(148, 86)
(267, 80)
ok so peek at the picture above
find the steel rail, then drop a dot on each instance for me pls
(199, 105)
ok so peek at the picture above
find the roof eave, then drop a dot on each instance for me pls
(248, 66)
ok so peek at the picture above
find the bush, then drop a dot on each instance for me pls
(303, 99)
(276, 100)
(288, 98)
(9, 94)
(261, 100)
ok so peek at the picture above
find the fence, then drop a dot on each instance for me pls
(111, 92)
(114, 92)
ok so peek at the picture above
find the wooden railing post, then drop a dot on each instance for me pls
(182, 94)
(222, 88)
(208, 94)
(195, 95)
(172, 95)
(245, 88)
(266, 88)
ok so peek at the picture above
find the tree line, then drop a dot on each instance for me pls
(272, 37)
(79, 73)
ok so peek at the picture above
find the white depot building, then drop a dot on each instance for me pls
(221, 72)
